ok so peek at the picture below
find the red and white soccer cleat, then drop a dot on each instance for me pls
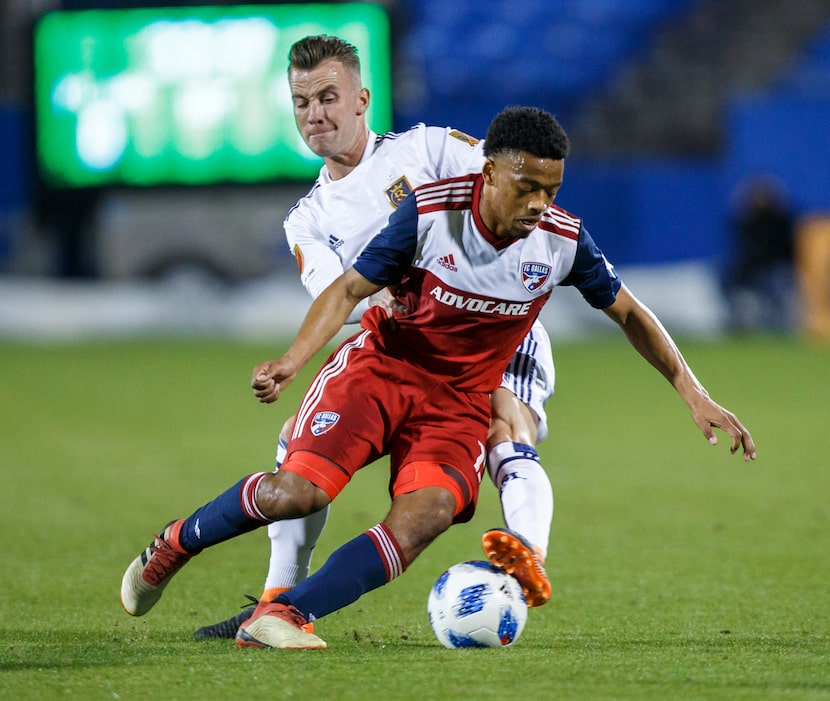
(280, 626)
(148, 575)
(229, 627)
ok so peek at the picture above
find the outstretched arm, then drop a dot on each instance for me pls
(645, 332)
(323, 320)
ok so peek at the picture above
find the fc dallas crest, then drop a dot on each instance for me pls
(534, 275)
(323, 421)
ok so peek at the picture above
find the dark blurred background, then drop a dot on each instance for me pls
(680, 113)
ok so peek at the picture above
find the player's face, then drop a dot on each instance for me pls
(329, 108)
(518, 189)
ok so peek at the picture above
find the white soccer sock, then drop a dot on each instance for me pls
(525, 490)
(282, 451)
(292, 542)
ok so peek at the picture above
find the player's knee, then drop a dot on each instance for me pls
(440, 517)
(287, 428)
(283, 495)
(418, 518)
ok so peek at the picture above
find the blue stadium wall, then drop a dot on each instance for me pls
(15, 172)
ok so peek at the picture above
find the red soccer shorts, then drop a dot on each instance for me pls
(364, 404)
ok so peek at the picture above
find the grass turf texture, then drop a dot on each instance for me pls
(679, 571)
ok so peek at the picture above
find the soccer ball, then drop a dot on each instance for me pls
(475, 604)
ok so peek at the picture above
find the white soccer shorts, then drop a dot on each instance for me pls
(530, 375)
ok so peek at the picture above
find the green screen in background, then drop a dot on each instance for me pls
(187, 95)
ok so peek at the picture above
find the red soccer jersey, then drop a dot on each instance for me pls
(472, 297)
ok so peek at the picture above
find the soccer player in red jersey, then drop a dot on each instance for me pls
(364, 178)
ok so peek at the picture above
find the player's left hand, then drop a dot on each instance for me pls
(385, 299)
(708, 416)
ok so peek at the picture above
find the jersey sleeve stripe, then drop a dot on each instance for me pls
(564, 218)
(552, 228)
(453, 193)
(557, 221)
(444, 205)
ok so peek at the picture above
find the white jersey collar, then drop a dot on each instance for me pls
(371, 145)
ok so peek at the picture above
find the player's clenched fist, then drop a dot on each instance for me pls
(270, 377)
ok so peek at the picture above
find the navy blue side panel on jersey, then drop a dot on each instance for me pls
(592, 274)
(389, 254)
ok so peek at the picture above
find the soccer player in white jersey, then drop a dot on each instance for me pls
(388, 389)
(365, 178)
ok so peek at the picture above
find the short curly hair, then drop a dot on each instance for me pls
(528, 129)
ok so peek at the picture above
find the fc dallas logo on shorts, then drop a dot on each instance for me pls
(534, 275)
(323, 421)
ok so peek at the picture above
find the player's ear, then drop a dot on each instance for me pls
(488, 171)
(363, 100)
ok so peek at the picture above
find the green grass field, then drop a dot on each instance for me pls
(679, 571)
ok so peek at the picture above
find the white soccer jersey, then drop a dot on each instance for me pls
(472, 297)
(330, 226)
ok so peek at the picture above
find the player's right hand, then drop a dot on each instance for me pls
(270, 377)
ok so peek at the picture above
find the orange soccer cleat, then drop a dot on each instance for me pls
(510, 551)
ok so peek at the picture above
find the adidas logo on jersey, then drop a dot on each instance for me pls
(448, 262)
(335, 242)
